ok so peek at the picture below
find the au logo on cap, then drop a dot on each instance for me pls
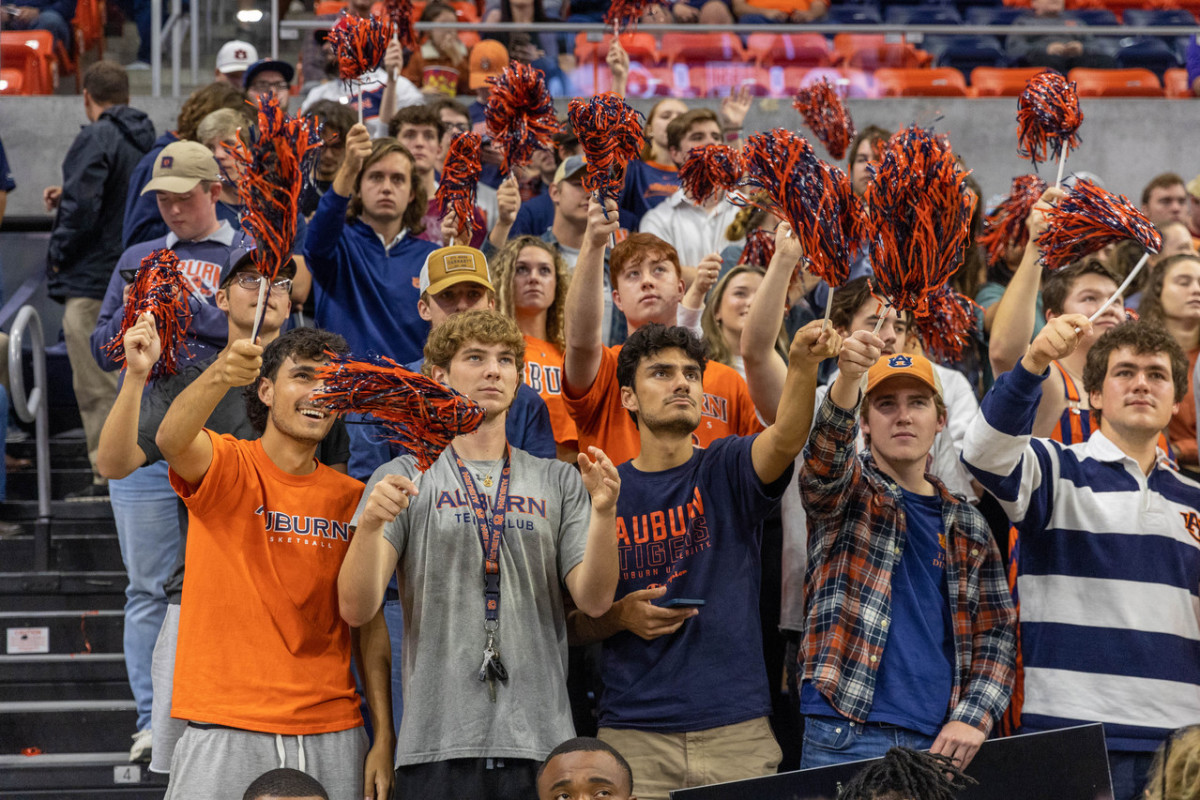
(166, 162)
(459, 262)
(900, 362)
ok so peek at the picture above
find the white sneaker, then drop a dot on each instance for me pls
(141, 746)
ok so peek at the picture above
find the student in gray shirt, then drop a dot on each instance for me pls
(483, 543)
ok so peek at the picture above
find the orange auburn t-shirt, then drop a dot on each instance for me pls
(602, 420)
(544, 374)
(262, 645)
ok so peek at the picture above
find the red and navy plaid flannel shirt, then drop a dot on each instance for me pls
(856, 533)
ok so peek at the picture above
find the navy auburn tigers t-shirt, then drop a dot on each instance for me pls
(696, 529)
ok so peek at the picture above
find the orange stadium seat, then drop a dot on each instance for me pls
(329, 7)
(769, 49)
(1115, 82)
(12, 81)
(1176, 83)
(640, 46)
(89, 25)
(31, 52)
(698, 47)
(720, 78)
(874, 50)
(1001, 81)
(937, 82)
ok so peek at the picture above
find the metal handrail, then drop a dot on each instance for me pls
(32, 407)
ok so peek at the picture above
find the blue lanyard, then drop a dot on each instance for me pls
(491, 532)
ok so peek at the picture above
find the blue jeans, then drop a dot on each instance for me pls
(52, 21)
(1129, 771)
(146, 511)
(829, 741)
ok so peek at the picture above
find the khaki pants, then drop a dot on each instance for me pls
(95, 389)
(662, 762)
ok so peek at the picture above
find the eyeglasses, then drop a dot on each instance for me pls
(460, 127)
(251, 280)
(269, 86)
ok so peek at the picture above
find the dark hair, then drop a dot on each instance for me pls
(203, 102)
(1164, 180)
(336, 117)
(1151, 309)
(651, 339)
(414, 215)
(634, 247)
(849, 298)
(678, 127)
(306, 343)
(1056, 286)
(107, 83)
(965, 278)
(442, 103)
(1143, 338)
(586, 744)
(285, 783)
(416, 115)
(908, 774)
(870, 134)
(436, 7)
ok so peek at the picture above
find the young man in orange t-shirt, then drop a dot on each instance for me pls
(262, 670)
(648, 287)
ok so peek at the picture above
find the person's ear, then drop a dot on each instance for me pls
(222, 299)
(616, 297)
(266, 391)
(440, 375)
(629, 399)
(423, 310)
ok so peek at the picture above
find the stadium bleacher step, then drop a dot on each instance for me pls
(71, 549)
(104, 775)
(67, 726)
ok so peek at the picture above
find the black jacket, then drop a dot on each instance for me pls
(86, 241)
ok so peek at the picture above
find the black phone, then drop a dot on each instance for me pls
(682, 602)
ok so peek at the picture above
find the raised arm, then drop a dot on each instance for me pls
(371, 559)
(118, 453)
(508, 205)
(585, 299)
(765, 370)
(618, 64)
(1013, 320)
(776, 448)
(181, 437)
(593, 582)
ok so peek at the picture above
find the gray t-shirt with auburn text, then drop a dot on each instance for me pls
(447, 711)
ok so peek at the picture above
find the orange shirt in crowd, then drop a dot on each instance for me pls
(262, 646)
(543, 374)
(1182, 428)
(602, 420)
(786, 6)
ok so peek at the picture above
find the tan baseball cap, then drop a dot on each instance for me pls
(447, 266)
(488, 59)
(182, 165)
(902, 365)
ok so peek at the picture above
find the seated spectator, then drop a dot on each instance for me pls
(143, 221)
(233, 59)
(911, 628)
(488, 60)
(1177, 240)
(531, 279)
(285, 783)
(441, 65)
(695, 230)
(704, 12)
(1172, 300)
(536, 48)
(864, 154)
(1110, 556)
(456, 119)
(647, 285)
(42, 15)
(1176, 764)
(462, 736)
(336, 120)
(267, 75)
(763, 12)
(585, 767)
(420, 130)
(389, 90)
(1062, 51)
(1165, 199)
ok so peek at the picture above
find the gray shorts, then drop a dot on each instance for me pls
(219, 763)
(166, 729)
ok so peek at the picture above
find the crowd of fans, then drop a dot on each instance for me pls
(682, 472)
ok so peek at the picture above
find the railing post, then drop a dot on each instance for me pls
(32, 407)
